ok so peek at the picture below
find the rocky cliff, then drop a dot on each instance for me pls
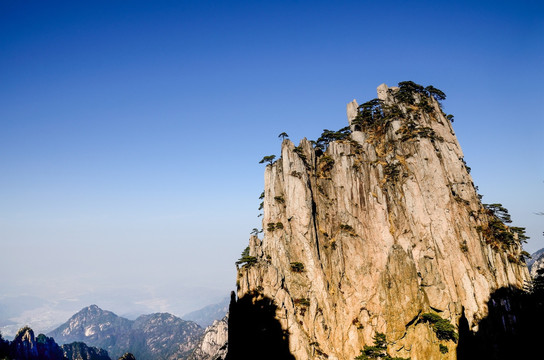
(378, 229)
(214, 343)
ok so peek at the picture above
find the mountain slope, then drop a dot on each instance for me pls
(94, 326)
(536, 263)
(163, 336)
(208, 314)
(155, 336)
(376, 228)
(214, 343)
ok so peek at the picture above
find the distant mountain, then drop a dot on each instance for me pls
(163, 336)
(93, 326)
(49, 310)
(536, 262)
(208, 314)
(149, 337)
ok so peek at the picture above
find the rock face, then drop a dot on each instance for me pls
(374, 230)
(154, 336)
(214, 342)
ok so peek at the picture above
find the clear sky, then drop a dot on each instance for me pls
(131, 130)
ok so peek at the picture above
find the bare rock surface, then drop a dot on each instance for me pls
(385, 225)
(214, 342)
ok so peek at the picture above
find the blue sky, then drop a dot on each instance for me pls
(131, 130)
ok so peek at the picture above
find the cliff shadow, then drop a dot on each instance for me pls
(513, 329)
(254, 331)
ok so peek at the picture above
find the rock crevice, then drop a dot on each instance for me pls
(386, 223)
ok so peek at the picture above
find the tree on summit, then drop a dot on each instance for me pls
(436, 93)
(283, 135)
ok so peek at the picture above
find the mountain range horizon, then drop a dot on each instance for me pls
(148, 337)
(203, 315)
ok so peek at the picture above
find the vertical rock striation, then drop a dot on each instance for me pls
(370, 232)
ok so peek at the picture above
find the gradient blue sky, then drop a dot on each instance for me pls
(131, 130)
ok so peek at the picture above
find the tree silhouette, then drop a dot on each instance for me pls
(283, 135)
(269, 159)
(436, 93)
(254, 330)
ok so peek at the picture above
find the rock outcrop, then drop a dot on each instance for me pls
(24, 345)
(27, 347)
(48, 349)
(214, 342)
(80, 351)
(378, 229)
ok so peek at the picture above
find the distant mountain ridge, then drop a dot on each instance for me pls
(149, 337)
(89, 325)
(536, 262)
(208, 314)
